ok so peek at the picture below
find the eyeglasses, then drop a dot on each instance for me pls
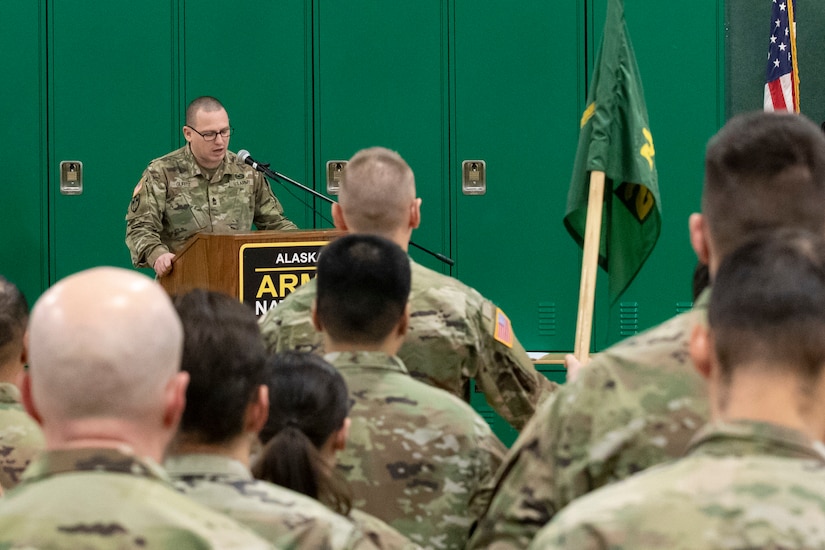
(212, 136)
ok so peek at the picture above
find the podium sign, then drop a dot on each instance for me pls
(270, 271)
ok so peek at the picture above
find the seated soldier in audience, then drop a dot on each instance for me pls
(455, 334)
(308, 424)
(754, 477)
(104, 383)
(20, 436)
(417, 457)
(227, 403)
(639, 402)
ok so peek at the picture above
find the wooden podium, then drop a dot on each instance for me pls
(214, 261)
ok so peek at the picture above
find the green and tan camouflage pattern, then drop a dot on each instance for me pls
(285, 518)
(380, 533)
(451, 341)
(20, 437)
(417, 457)
(174, 199)
(106, 499)
(742, 485)
(636, 404)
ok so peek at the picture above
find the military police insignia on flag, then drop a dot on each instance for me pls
(503, 331)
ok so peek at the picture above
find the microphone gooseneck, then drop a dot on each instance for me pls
(243, 156)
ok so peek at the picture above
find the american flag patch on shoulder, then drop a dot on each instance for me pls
(503, 331)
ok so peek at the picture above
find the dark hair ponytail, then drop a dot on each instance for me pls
(309, 403)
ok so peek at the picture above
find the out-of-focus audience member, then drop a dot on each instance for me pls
(20, 436)
(104, 383)
(308, 424)
(754, 477)
(639, 402)
(227, 403)
(417, 457)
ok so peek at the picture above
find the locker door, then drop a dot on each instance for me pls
(517, 101)
(255, 56)
(23, 244)
(381, 79)
(111, 102)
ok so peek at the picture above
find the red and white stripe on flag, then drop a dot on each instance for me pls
(782, 75)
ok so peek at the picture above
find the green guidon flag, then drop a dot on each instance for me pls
(615, 139)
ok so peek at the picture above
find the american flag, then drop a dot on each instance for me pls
(782, 78)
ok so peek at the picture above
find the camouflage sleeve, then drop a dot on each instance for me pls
(546, 468)
(491, 453)
(288, 326)
(504, 372)
(579, 537)
(144, 220)
(269, 214)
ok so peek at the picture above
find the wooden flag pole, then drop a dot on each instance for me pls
(590, 265)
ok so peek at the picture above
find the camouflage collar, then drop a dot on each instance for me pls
(228, 166)
(205, 465)
(703, 299)
(121, 460)
(741, 437)
(9, 393)
(367, 360)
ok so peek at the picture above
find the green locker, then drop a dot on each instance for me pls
(255, 56)
(381, 79)
(24, 242)
(517, 100)
(111, 83)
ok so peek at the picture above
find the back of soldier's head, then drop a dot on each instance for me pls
(224, 356)
(363, 288)
(763, 171)
(103, 343)
(14, 314)
(767, 308)
(377, 189)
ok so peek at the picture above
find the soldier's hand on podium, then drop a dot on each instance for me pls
(163, 264)
(572, 364)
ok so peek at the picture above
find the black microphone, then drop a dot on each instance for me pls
(243, 156)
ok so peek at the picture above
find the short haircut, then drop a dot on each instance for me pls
(224, 356)
(103, 343)
(14, 314)
(377, 190)
(309, 402)
(202, 103)
(767, 307)
(763, 171)
(363, 288)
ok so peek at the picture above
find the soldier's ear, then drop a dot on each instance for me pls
(26, 397)
(338, 217)
(341, 436)
(187, 133)
(257, 412)
(700, 350)
(697, 227)
(404, 322)
(415, 213)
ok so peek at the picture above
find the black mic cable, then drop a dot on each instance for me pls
(243, 156)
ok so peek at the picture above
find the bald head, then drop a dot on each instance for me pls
(377, 192)
(103, 343)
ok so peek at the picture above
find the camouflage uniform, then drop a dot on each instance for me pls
(634, 405)
(284, 517)
(417, 457)
(455, 335)
(380, 533)
(20, 437)
(743, 484)
(107, 499)
(175, 199)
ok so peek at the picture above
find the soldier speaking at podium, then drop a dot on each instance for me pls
(200, 187)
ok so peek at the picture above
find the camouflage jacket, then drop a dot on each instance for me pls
(743, 485)
(384, 536)
(455, 335)
(174, 200)
(110, 499)
(417, 457)
(20, 437)
(636, 404)
(283, 517)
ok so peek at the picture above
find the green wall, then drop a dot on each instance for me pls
(441, 81)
